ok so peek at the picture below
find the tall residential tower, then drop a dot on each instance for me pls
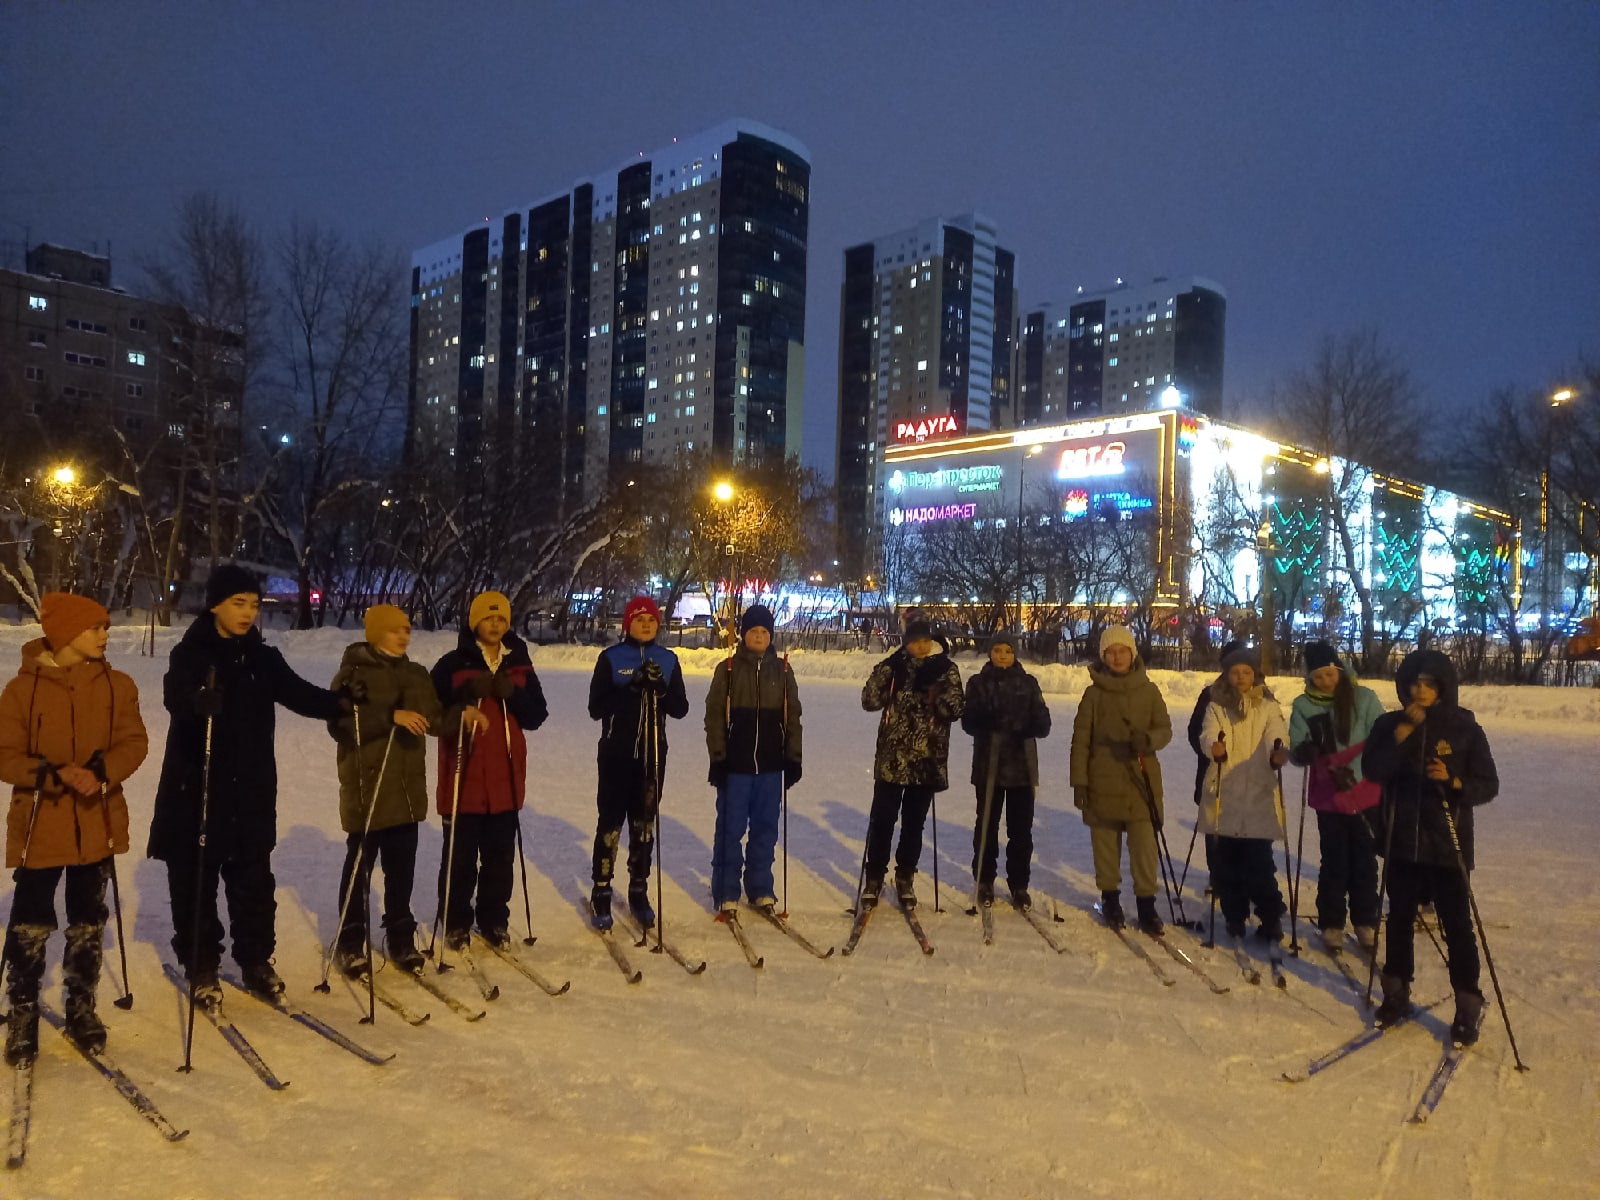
(926, 349)
(654, 309)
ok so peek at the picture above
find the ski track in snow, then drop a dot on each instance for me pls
(1006, 1071)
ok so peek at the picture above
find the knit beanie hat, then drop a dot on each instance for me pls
(639, 604)
(1117, 635)
(1003, 639)
(1244, 654)
(1319, 655)
(382, 618)
(230, 579)
(915, 630)
(488, 604)
(64, 616)
(757, 616)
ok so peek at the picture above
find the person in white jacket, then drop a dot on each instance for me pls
(1241, 811)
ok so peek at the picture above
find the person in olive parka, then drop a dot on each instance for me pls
(1121, 722)
(1005, 713)
(383, 783)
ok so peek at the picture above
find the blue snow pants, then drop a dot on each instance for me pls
(747, 802)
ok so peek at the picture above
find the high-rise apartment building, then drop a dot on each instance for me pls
(926, 349)
(652, 310)
(1128, 348)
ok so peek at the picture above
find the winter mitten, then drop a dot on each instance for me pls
(649, 677)
(717, 774)
(207, 702)
(480, 686)
(1344, 778)
(929, 671)
(355, 689)
(791, 772)
(1322, 736)
(501, 685)
(1140, 741)
(1080, 798)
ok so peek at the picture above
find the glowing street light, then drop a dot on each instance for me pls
(723, 491)
(65, 476)
(1561, 396)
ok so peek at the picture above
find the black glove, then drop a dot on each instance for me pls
(1080, 798)
(97, 764)
(717, 774)
(355, 690)
(1303, 754)
(649, 677)
(929, 671)
(791, 772)
(1322, 736)
(501, 685)
(480, 686)
(1140, 741)
(207, 702)
(1344, 778)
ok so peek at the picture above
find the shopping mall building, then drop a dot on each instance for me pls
(1189, 476)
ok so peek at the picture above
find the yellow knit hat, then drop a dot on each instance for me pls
(381, 618)
(488, 604)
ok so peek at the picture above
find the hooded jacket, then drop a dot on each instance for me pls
(397, 767)
(242, 799)
(618, 705)
(753, 713)
(63, 715)
(494, 770)
(1241, 798)
(1412, 818)
(1313, 728)
(919, 700)
(1113, 708)
(1005, 713)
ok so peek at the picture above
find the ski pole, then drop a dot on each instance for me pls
(522, 862)
(983, 824)
(199, 876)
(1300, 846)
(1288, 872)
(450, 847)
(1195, 832)
(1164, 855)
(1483, 936)
(1383, 884)
(655, 790)
(933, 809)
(786, 678)
(97, 764)
(361, 859)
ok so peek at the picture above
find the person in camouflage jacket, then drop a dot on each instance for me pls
(918, 690)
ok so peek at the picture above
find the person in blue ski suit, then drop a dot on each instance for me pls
(632, 680)
(753, 739)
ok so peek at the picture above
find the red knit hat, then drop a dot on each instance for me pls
(64, 616)
(639, 604)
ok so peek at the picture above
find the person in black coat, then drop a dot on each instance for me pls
(224, 674)
(631, 680)
(1005, 713)
(1433, 762)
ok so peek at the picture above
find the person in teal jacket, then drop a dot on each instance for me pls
(1328, 727)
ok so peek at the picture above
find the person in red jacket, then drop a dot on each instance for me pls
(491, 697)
(70, 733)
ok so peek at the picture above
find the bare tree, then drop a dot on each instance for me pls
(1355, 407)
(341, 390)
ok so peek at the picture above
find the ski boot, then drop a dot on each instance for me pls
(351, 961)
(1367, 938)
(497, 936)
(639, 903)
(259, 978)
(871, 886)
(1469, 1017)
(206, 986)
(1149, 922)
(905, 889)
(1396, 1003)
(985, 895)
(767, 905)
(400, 943)
(1020, 899)
(1111, 910)
(1333, 939)
(600, 906)
(1234, 929)
(25, 944)
(80, 971)
(1270, 929)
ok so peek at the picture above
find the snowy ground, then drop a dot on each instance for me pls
(1001, 1072)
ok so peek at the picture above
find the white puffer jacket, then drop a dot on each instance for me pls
(1246, 803)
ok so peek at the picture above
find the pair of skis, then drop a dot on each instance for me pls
(1137, 946)
(864, 914)
(22, 1096)
(1432, 1092)
(1031, 914)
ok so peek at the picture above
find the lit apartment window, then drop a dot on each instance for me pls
(136, 357)
(38, 303)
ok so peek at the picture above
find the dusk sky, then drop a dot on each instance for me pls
(1430, 169)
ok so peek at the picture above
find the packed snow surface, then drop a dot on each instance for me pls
(1006, 1071)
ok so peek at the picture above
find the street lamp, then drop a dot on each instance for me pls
(1022, 474)
(64, 475)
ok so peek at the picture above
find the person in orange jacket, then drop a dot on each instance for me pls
(70, 733)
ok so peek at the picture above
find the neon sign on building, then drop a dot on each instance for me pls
(1087, 462)
(932, 512)
(963, 479)
(921, 431)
